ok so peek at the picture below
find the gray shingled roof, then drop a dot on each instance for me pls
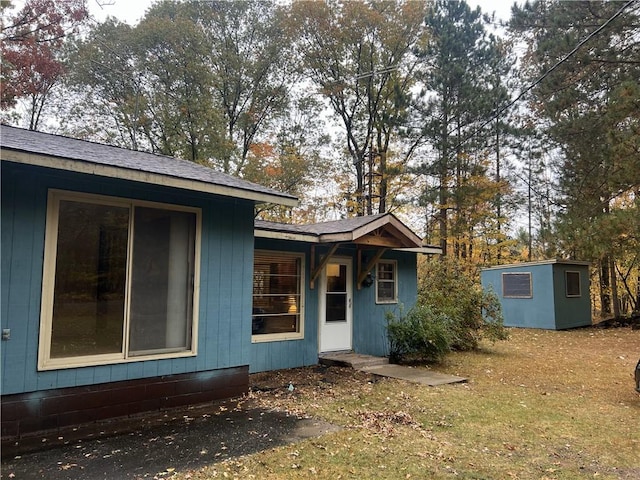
(129, 163)
(318, 229)
(345, 230)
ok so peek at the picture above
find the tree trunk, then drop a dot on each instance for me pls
(499, 195)
(637, 307)
(382, 208)
(605, 297)
(614, 288)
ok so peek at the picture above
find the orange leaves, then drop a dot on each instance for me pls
(262, 150)
(263, 162)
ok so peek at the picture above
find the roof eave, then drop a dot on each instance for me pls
(425, 250)
(279, 235)
(110, 171)
(556, 261)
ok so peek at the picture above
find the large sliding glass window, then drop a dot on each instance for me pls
(277, 296)
(119, 280)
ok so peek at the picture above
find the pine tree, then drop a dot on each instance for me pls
(589, 103)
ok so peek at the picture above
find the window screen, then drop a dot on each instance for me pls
(161, 287)
(516, 285)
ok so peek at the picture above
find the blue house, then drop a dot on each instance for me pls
(348, 274)
(135, 282)
(551, 294)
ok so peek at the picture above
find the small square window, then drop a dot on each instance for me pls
(572, 283)
(386, 282)
(517, 285)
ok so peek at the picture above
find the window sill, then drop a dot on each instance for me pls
(276, 337)
(386, 302)
(106, 360)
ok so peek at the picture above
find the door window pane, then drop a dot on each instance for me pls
(90, 280)
(336, 307)
(336, 293)
(336, 278)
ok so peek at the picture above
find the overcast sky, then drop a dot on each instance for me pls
(131, 11)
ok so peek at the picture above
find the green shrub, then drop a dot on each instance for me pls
(420, 335)
(451, 290)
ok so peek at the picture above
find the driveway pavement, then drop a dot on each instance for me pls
(156, 445)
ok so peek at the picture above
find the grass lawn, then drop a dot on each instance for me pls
(542, 405)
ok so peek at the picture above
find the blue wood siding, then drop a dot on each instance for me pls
(289, 353)
(224, 325)
(571, 312)
(369, 323)
(534, 312)
(549, 308)
(369, 320)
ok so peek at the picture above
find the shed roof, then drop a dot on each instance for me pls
(538, 262)
(382, 230)
(65, 153)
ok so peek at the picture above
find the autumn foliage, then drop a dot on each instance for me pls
(31, 39)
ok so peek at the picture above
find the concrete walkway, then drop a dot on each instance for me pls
(381, 366)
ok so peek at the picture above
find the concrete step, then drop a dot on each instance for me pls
(380, 366)
(351, 359)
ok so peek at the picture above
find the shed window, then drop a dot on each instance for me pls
(516, 285)
(572, 282)
(386, 282)
(278, 285)
(119, 281)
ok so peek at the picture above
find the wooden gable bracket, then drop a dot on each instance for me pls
(315, 271)
(362, 273)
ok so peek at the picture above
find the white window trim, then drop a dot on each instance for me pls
(48, 283)
(395, 282)
(279, 337)
(518, 273)
(566, 284)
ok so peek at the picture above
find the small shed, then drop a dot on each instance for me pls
(548, 294)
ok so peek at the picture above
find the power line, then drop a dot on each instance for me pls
(547, 73)
(375, 72)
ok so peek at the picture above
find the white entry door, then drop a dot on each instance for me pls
(335, 314)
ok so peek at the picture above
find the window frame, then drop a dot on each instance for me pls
(528, 274)
(566, 284)
(278, 337)
(54, 197)
(384, 301)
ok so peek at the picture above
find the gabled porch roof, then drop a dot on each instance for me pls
(379, 232)
(382, 230)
